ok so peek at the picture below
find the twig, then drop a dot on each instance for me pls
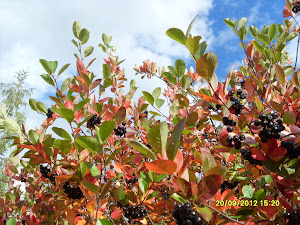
(224, 215)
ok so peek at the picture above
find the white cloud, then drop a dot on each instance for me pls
(33, 30)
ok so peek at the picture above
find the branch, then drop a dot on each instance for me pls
(224, 215)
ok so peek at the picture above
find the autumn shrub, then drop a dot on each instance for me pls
(227, 153)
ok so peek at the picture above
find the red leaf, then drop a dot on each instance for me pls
(28, 146)
(277, 154)
(182, 185)
(162, 166)
(209, 186)
(222, 137)
(258, 155)
(68, 104)
(116, 214)
(75, 88)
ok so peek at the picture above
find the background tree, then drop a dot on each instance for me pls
(14, 96)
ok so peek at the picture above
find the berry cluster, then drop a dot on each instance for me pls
(45, 170)
(135, 212)
(293, 152)
(229, 122)
(237, 141)
(184, 214)
(50, 113)
(247, 154)
(293, 218)
(164, 192)
(227, 185)
(94, 121)
(271, 128)
(73, 193)
(132, 180)
(237, 106)
(121, 130)
(296, 8)
(23, 179)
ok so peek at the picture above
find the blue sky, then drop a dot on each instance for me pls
(31, 30)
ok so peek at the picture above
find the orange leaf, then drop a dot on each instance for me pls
(28, 147)
(116, 214)
(178, 160)
(162, 166)
(70, 216)
(75, 88)
(118, 167)
(208, 98)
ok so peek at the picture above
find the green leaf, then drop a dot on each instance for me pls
(76, 29)
(63, 69)
(32, 103)
(103, 222)
(279, 73)
(82, 169)
(254, 31)
(53, 65)
(263, 38)
(296, 78)
(258, 46)
(105, 131)
(242, 22)
(259, 104)
(170, 77)
(119, 193)
(62, 133)
(190, 27)
(289, 117)
(201, 50)
(144, 183)
(141, 148)
(272, 32)
(11, 221)
(106, 39)
(112, 155)
(88, 142)
(88, 50)
(67, 114)
(178, 198)
(260, 195)
(159, 102)
(65, 84)
(41, 107)
(243, 33)
(106, 71)
(33, 136)
(248, 191)
(75, 43)
(229, 22)
(177, 35)
(185, 82)
(156, 93)
(158, 136)
(160, 177)
(174, 142)
(64, 145)
(48, 79)
(180, 67)
(91, 187)
(148, 97)
(46, 65)
(93, 169)
(192, 43)
(206, 65)
(81, 104)
(84, 36)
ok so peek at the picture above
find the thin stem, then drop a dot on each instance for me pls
(224, 215)
(297, 44)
